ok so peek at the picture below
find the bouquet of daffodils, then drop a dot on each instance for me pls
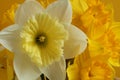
(59, 40)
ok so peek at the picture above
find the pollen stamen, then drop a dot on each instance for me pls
(42, 38)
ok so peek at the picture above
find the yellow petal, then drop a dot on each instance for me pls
(95, 48)
(79, 6)
(73, 72)
(115, 59)
(116, 29)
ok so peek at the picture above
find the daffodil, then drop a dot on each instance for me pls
(96, 20)
(41, 38)
(104, 45)
(90, 69)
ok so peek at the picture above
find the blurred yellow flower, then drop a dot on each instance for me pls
(108, 44)
(96, 20)
(90, 69)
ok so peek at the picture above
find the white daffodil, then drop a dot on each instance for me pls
(41, 38)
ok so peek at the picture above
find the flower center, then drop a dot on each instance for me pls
(41, 40)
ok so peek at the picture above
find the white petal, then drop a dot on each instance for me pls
(11, 28)
(9, 37)
(24, 68)
(55, 71)
(27, 9)
(61, 9)
(76, 43)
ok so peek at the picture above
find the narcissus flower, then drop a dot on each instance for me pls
(104, 45)
(41, 38)
(91, 69)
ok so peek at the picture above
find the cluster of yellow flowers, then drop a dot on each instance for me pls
(100, 55)
(96, 63)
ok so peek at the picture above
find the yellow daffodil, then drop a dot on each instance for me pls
(113, 36)
(104, 45)
(90, 69)
(96, 21)
(6, 64)
(39, 38)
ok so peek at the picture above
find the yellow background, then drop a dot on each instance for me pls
(6, 4)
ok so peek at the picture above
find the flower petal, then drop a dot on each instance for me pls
(73, 72)
(76, 43)
(79, 6)
(9, 36)
(27, 9)
(61, 9)
(55, 71)
(24, 68)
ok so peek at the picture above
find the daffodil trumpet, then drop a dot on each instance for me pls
(41, 39)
